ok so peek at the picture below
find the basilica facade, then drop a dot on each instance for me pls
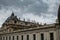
(16, 29)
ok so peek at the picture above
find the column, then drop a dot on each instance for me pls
(55, 36)
(15, 37)
(11, 37)
(2, 37)
(8, 37)
(45, 35)
(48, 36)
(37, 36)
(30, 36)
(5, 37)
(19, 37)
(24, 37)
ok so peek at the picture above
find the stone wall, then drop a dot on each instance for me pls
(30, 33)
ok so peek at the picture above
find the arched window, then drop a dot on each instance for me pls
(42, 36)
(22, 37)
(34, 37)
(51, 36)
(27, 37)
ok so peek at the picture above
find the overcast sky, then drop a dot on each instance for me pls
(42, 11)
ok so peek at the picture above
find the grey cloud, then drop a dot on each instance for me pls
(23, 5)
(16, 3)
(37, 7)
(41, 8)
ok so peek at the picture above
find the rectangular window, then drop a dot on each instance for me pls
(22, 37)
(34, 37)
(13, 37)
(42, 36)
(27, 37)
(51, 36)
(17, 37)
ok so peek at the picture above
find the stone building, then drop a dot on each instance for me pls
(16, 29)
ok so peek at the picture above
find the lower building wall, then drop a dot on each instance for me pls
(38, 36)
(58, 34)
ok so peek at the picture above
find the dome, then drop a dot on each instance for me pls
(59, 14)
(12, 17)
